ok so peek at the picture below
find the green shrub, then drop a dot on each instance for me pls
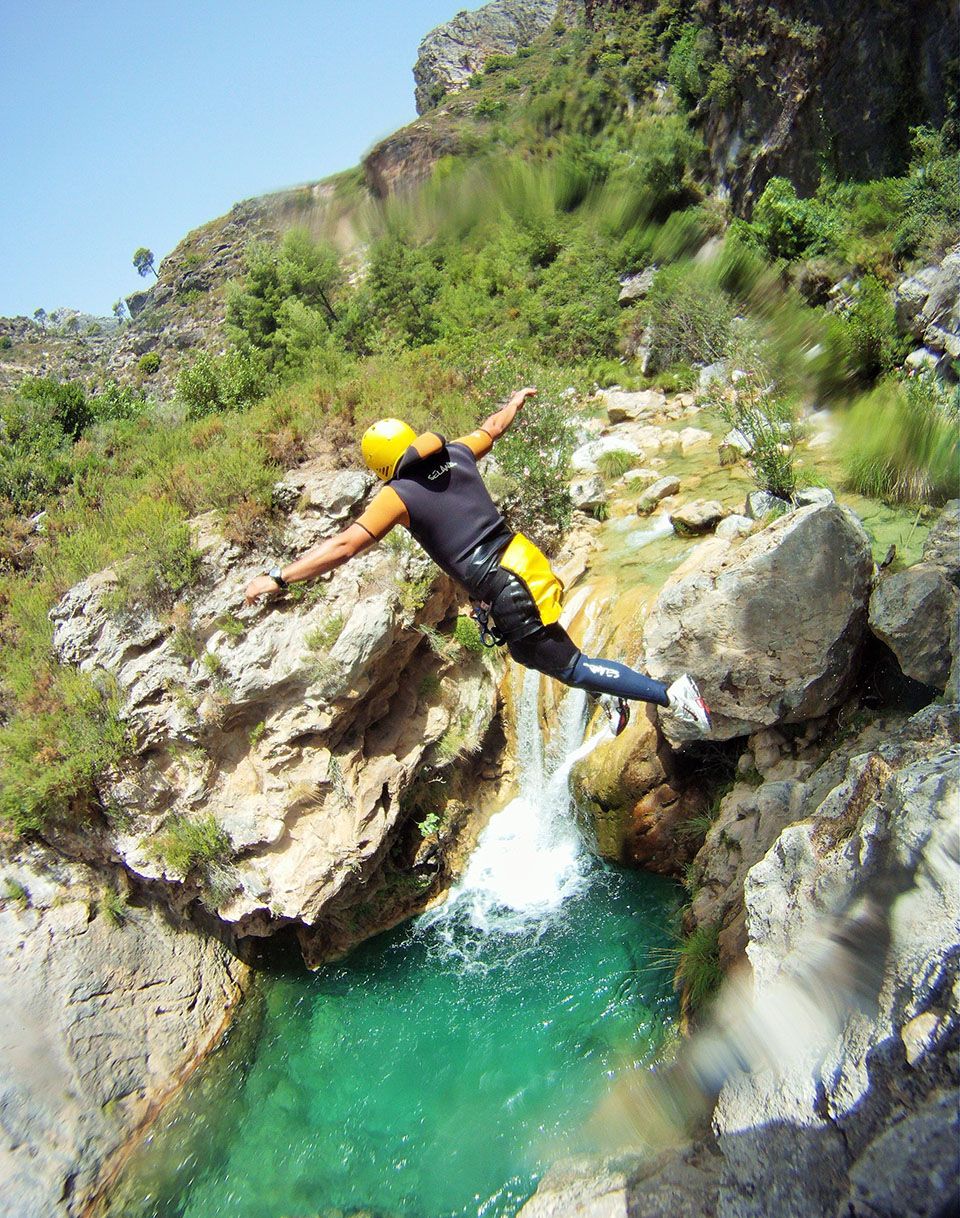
(489, 107)
(535, 458)
(903, 442)
(117, 402)
(225, 382)
(149, 364)
(52, 747)
(34, 455)
(767, 420)
(497, 63)
(298, 270)
(862, 341)
(690, 318)
(788, 226)
(323, 636)
(614, 464)
(467, 634)
(185, 845)
(113, 905)
(161, 559)
(930, 217)
(690, 63)
(64, 403)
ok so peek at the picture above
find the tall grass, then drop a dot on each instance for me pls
(903, 442)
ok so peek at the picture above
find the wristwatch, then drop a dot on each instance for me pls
(277, 578)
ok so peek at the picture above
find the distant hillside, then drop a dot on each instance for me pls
(792, 89)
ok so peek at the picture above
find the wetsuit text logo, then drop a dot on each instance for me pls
(441, 469)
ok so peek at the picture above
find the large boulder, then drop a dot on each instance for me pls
(106, 1007)
(624, 406)
(770, 629)
(915, 613)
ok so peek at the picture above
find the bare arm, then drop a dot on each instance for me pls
(325, 556)
(501, 419)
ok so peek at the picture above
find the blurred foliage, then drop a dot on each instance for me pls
(903, 441)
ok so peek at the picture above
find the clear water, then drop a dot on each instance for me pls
(444, 1065)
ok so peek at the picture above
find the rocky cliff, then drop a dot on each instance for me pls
(299, 726)
(450, 54)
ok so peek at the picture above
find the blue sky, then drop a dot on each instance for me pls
(130, 123)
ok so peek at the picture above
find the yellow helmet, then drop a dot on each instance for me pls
(383, 445)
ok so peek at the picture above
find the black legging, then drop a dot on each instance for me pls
(550, 650)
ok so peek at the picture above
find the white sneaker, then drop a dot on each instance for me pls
(687, 703)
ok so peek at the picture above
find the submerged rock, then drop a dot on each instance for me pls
(769, 629)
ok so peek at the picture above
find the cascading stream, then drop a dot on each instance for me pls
(439, 1069)
(530, 858)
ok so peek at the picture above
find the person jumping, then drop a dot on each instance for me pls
(434, 489)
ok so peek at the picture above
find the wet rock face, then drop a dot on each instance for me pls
(817, 94)
(99, 1021)
(450, 54)
(298, 724)
(769, 629)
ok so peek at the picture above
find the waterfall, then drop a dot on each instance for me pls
(530, 858)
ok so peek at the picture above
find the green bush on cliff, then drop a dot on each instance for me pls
(788, 226)
(698, 967)
(185, 845)
(66, 732)
(300, 270)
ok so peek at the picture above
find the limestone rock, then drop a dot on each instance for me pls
(635, 287)
(693, 437)
(654, 493)
(700, 516)
(770, 629)
(853, 1113)
(761, 504)
(809, 495)
(589, 493)
(297, 723)
(749, 822)
(99, 1022)
(910, 295)
(584, 459)
(735, 526)
(450, 54)
(623, 788)
(914, 612)
(623, 406)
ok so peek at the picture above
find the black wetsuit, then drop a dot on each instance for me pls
(453, 517)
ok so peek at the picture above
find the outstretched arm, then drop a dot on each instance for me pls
(501, 419)
(323, 557)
